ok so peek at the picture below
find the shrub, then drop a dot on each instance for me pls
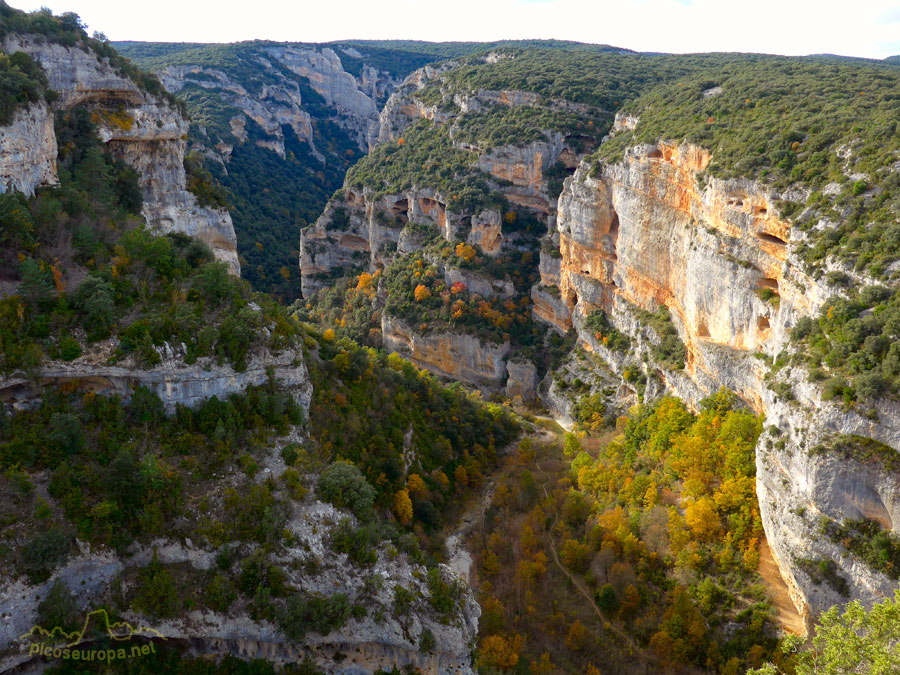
(344, 485)
(59, 608)
(44, 552)
(95, 299)
(303, 613)
(219, 593)
(358, 543)
(66, 433)
(157, 594)
(69, 349)
(426, 641)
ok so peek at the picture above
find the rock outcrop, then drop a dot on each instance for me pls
(28, 150)
(523, 380)
(173, 381)
(353, 102)
(643, 233)
(456, 355)
(379, 640)
(145, 131)
(360, 228)
(270, 108)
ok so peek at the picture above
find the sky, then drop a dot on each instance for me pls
(867, 28)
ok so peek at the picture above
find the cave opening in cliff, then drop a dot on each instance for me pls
(768, 282)
(571, 297)
(702, 329)
(762, 325)
(771, 238)
(401, 210)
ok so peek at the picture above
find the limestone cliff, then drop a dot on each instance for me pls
(459, 356)
(145, 131)
(379, 640)
(364, 228)
(360, 228)
(173, 381)
(645, 233)
(28, 151)
(285, 70)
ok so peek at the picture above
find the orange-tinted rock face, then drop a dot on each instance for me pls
(524, 173)
(487, 232)
(550, 309)
(460, 356)
(646, 233)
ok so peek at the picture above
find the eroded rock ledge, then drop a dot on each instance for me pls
(145, 131)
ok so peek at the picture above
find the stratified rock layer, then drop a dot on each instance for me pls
(643, 233)
(146, 132)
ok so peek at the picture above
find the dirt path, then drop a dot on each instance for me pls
(786, 614)
(633, 648)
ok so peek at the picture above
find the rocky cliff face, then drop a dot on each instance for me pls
(459, 356)
(360, 228)
(364, 229)
(146, 132)
(379, 640)
(270, 109)
(28, 151)
(645, 233)
(173, 381)
(353, 102)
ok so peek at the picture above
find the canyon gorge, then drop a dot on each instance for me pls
(260, 431)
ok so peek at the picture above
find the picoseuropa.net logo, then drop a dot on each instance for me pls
(57, 643)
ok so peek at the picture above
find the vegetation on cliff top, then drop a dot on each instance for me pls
(386, 440)
(87, 270)
(68, 30)
(22, 82)
(426, 158)
(852, 346)
(803, 123)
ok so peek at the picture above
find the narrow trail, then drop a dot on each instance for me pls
(634, 649)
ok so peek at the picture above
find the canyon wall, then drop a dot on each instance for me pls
(173, 381)
(145, 131)
(363, 229)
(455, 355)
(363, 644)
(349, 101)
(28, 150)
(644, 233)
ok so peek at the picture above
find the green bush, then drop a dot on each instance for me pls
(219, 593)
(157, 593)
(358, 543)
(344, 485)
(69, 349)
(66, 433)
(44, 552)
(58, 608)
(305, 612)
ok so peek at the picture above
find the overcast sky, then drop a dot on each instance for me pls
(869, 28)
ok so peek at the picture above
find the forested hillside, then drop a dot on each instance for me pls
(544, 357)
